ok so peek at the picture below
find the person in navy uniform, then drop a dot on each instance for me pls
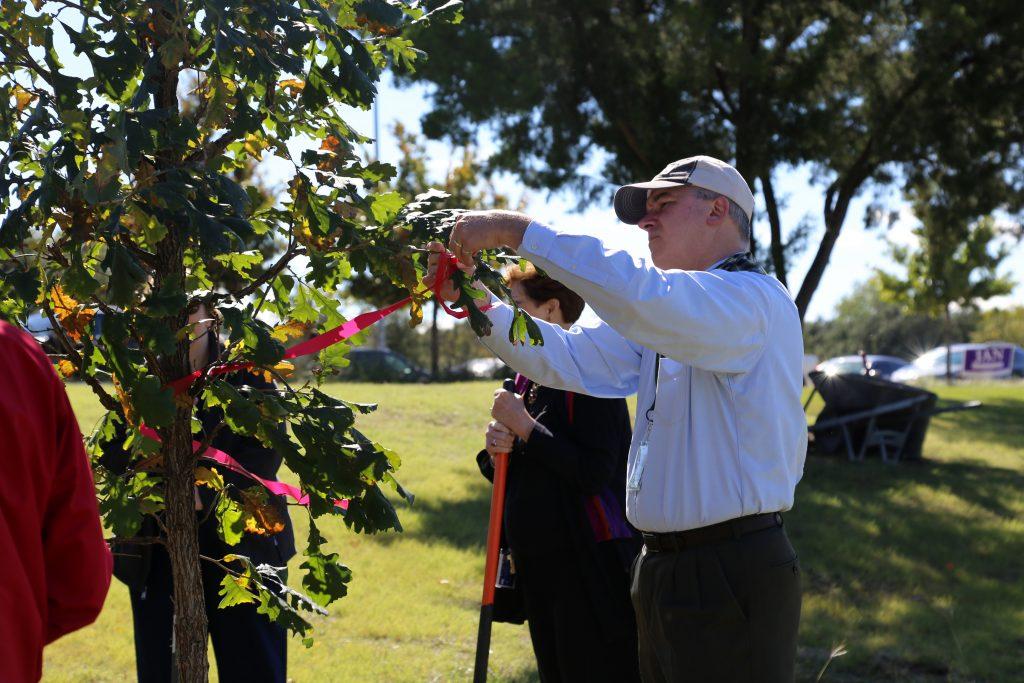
(248, 647)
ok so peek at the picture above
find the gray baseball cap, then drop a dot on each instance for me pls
(700, 171)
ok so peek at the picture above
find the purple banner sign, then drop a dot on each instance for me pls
(989, 361)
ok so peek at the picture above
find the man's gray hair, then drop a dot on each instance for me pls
(738, 215)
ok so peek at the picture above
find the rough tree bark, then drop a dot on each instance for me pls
(190, 627)
(183, 547)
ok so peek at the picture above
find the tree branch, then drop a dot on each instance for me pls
(108, 401)
(263, 279)
(723, 86)
(22, 49)
(208, 439)
(776, 247)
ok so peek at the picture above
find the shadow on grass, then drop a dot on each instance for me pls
(920, 556)
(523, 676)
(459, 523)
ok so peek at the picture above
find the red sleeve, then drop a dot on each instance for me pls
(78, 561)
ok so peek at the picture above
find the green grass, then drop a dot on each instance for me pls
(916, 568)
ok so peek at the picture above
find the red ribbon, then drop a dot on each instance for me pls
(218, 456)
(445, 267)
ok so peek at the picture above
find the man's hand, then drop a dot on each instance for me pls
(448, 290)
(478, 230)
(500, 439)
(473, 232)
(509, 410)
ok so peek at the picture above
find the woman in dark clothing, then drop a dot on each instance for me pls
(248, 647)
(564, 522)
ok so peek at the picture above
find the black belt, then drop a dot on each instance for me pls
(716, 533)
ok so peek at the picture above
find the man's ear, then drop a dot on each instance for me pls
(719, 210)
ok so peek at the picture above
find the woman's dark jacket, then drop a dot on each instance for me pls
(550, 479)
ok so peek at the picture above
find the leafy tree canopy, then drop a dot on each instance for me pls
(865, 92)
(865, 320)
(120, 202)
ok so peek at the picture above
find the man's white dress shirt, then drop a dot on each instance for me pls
(728, 435)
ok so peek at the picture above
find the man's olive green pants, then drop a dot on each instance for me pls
(727, 611)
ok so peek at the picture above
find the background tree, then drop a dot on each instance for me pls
(467, 187)
(863, 92)
(118, 196)
(1001, 325)
(935, 92)
(866, 319)
(955, 262)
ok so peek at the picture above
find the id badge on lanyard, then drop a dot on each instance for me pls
(636, 474)
(635, 478)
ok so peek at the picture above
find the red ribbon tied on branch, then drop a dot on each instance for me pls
(446, 266)
(218, 456)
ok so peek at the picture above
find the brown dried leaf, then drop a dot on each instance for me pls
(73, 316)
(66, 368)
(293, 85)
(209, 476)
(22, 97)
(407, 273)
(261, 517)
(376, 27)
(331, 144)
(289, 330)
(283, 368)
(126, 405)
(254, 145)
(415, 313)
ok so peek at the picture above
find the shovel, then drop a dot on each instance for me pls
(483, 636)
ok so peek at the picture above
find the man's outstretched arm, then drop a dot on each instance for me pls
(701, 318)
(590, 358)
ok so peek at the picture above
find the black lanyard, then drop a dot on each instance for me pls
(736, 262)
(657, 366)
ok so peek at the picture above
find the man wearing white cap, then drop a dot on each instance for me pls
(713, 348)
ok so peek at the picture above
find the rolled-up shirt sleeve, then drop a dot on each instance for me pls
(589, 359)
(711, 320)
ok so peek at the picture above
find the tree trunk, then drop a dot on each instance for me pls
(183, 548)
(837, 203)
(190, 627)
(745, 163)
(833, 224)
(949, 346)
(777, 247)
(434, 345)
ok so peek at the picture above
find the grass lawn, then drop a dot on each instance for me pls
(918, 569)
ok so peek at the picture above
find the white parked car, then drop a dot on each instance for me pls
(872, 365)
(932, 364)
